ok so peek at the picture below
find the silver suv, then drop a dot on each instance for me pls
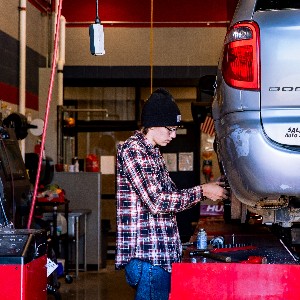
(256, 108)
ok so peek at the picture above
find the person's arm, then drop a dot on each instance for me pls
(139, 171)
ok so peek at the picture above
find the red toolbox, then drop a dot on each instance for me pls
(234, 281)
(23, 259)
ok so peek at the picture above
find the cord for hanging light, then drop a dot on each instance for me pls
(151, 48)
(97, 19)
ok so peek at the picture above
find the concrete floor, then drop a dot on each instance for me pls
(107, 284)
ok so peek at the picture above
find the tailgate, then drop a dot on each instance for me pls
(280, 74)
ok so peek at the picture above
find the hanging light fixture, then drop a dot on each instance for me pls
(96, 36)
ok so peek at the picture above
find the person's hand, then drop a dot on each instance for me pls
(214, 191)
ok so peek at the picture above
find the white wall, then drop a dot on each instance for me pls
(9, 17)
(131, 47)
(36, 27)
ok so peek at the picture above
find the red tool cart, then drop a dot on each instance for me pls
(234, 281)
(23, 259)
(254, 267)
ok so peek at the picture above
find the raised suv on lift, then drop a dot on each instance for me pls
(256, 108)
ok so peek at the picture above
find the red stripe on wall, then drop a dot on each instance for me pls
(32, 101)
(10, 94)
(132, 13)
(147, 25)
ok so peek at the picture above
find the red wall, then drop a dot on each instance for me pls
(137, 13)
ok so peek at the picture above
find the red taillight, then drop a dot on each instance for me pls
(241, 62)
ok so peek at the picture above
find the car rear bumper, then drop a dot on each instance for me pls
(255, 166)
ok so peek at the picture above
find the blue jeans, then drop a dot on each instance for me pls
(151, 282)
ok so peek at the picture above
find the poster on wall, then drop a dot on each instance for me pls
(171, 161)
(107, 163)
(186, 161)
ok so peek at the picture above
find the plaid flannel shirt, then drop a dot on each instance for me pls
(147, 200)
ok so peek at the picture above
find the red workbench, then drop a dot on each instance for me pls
(199, 277)
(23, 259)
(234, 281)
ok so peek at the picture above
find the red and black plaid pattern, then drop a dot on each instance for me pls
(147, 200)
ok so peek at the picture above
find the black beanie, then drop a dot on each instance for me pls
(160, 110)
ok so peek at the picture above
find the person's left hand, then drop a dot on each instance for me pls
(214, 191)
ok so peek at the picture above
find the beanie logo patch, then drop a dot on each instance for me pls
(178, 118)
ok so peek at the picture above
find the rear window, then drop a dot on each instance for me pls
(277, 4)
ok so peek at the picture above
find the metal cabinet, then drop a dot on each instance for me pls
(83, 190)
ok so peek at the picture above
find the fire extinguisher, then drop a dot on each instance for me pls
(207, 169)
(92, 163)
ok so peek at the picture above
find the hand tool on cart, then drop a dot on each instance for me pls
(213, 256)
(225, 258)
(233, 247)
